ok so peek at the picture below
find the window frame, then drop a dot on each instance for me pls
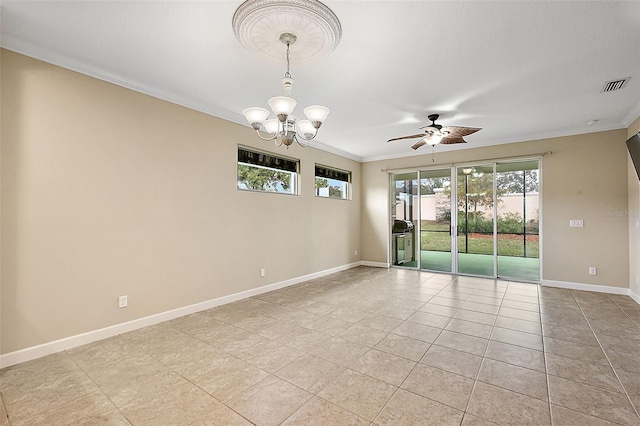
(337, 171)
(260, 164)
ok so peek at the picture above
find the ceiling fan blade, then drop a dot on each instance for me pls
(419, 144)
(462, 131)
(407, 137)
(448, 140)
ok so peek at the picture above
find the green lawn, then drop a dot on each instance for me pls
(436, 253)
(508, 244)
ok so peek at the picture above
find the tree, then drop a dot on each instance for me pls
(428, 186)
(321, 183)
(512, 182)
(479, 192)
(335, 192)
(262, 179)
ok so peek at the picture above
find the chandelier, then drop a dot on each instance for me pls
(286, 128)
(263, 26)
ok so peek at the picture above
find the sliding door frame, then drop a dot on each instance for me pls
(453, 167)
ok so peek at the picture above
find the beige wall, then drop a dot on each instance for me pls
(107, 192)
(634, 217)
(585, 178)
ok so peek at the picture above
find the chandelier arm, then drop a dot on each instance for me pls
(266, 139)
(299, 134)
(304, 145)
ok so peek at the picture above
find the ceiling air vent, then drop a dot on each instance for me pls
(610, 86)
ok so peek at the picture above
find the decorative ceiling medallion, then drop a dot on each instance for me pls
(259, 23)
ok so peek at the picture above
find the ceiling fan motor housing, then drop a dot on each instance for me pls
(433, 118)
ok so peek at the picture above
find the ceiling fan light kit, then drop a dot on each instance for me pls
(258, 25)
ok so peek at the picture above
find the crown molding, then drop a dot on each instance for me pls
(75, 65)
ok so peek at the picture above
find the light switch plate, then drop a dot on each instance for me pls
(576, 223)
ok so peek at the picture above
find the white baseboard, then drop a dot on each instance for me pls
(70, 342)
(585, 287)
(374, 264)
(634, 296)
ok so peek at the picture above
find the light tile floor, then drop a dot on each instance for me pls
(364, 346)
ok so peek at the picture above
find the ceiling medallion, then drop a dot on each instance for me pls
(259, 23)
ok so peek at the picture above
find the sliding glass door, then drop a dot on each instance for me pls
(518, 199)
(435, 220)
(404, 219)
(476, 220)
(493, 208)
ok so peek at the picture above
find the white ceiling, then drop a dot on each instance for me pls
(520, 70)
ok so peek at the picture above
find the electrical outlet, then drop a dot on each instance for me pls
(592, 270)
(576, 223)
(122, 302)
(355, 253)
(263, 272)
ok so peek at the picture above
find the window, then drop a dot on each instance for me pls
(259, 171)
(332, 183)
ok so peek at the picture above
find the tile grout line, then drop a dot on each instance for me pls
(348, 368)
(475, 381)
(312, 395)
(418, 363)
(96, 384)
(224, 402)
(412, 369)
(4, 408)
(604, 353)
(544, 355)
(450, 318)
(606, 356)
(145, 351)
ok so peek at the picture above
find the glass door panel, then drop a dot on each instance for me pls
(435, 220)
(404, 219)
(517, 186)
(476, 242)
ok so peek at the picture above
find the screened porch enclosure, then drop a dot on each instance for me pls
(494, 210)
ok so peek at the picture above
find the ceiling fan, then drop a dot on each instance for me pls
(436, 133)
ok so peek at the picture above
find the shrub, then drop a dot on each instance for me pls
(510, 223)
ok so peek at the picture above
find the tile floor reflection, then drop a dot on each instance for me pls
(360, 347)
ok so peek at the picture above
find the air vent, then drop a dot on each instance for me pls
(610, 86)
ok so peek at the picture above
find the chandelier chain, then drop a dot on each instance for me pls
(287, 74)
